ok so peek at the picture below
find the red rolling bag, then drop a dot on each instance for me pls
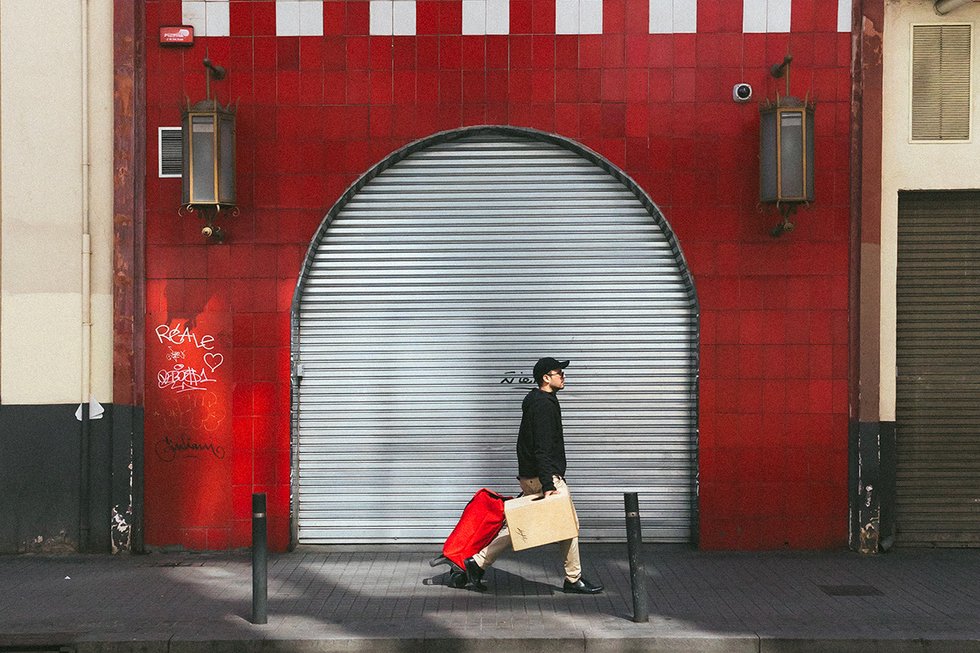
(480, 522)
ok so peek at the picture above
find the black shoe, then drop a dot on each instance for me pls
(581, 586)
(474, 575)
(457, 579)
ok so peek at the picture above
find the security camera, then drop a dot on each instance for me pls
(741, 92)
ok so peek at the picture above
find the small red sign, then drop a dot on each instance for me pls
(177, 35)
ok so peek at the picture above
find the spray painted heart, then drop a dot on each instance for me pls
(214, 361)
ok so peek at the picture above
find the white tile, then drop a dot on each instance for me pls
(193, 13)
(566, 16)
(218, 18)
(474, 16)
(843, 15)
(685, 16)
(311, 18)
(779, 14)
(498, 16)
(381, 17)
(287, 17)
(673, 16)
(754, 16)
(590, 17)
(403, 17)
(661, 16)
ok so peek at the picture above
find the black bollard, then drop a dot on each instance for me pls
(260, 576)
(634, 540)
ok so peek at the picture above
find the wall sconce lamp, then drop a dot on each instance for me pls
(208, 131)
(785, 152)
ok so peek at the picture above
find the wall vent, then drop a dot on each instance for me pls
(941, 94)
(171, 157)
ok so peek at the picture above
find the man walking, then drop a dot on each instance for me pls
(541, 468)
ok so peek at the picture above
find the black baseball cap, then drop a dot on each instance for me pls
(545, 365)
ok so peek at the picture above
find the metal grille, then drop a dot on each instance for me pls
(941, 82)
(938, 355)
(426, 299)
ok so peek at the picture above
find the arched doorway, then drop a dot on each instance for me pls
(428, 293)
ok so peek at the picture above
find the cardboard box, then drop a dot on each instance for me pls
(536, 519)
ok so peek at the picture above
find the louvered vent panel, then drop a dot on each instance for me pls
(941, 82)
(170, 155)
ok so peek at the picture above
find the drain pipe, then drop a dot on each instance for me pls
(943, 7)
(84, 497)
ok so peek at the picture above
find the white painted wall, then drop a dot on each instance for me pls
(914, 166)
(42, 112)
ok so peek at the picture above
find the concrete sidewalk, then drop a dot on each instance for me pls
(389, 599)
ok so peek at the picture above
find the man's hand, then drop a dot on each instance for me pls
(550, 492)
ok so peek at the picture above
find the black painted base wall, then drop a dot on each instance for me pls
(872, 485)
(43, 504)
(889, 465)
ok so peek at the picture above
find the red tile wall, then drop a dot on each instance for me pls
(314, 113)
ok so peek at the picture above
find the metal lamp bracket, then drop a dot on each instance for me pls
(211, 231)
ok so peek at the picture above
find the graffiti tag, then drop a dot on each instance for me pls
(183, 336)
(183, 379)
(167, 449)
(185, 376)
(516, 377)
(193, 416)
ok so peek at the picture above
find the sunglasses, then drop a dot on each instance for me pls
(560, 373)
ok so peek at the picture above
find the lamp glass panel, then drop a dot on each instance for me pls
(791, 154)
(202, 158)
(768, 177)
(185, 154)
(810, 167)
(226, 167)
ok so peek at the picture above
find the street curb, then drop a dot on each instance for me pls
(744, 643)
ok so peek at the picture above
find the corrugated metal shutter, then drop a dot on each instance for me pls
(941, 96)
(938, 355)
(426, 299)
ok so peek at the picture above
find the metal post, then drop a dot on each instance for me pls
(634, 539)
(260, 576)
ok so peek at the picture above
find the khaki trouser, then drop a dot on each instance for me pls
(501, 543)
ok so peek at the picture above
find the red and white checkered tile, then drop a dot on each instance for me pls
(398, 17)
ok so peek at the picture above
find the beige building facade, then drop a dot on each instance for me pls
(920, 289)
(910, 164)
(56, 250)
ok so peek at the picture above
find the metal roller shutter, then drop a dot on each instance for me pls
(938, 356)
(428, 294)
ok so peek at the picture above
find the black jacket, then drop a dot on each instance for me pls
(540, 443)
